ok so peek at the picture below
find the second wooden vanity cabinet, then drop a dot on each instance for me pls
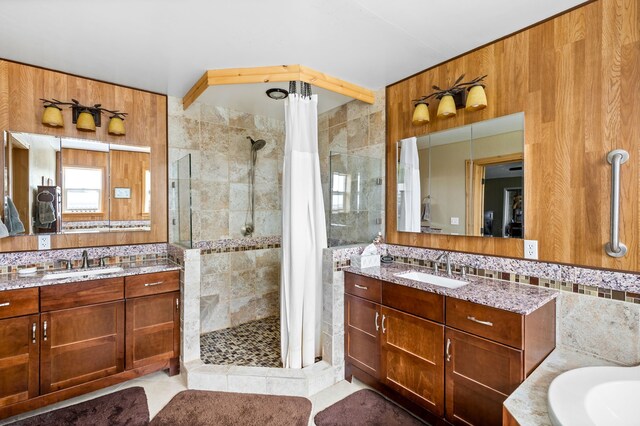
(85, 336)
(450, 360)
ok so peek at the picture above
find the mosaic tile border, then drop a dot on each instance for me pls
(57, 259)
(620, 286)
(228, 245)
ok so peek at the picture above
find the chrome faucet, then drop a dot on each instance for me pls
(444, 254)
(85, 260)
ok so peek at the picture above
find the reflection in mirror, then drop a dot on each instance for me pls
(85, 183)
(65, 185)
(130, 188)
(470, 180)
(31, 183)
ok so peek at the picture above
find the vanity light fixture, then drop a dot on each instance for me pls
(452, 99)
(86, 118)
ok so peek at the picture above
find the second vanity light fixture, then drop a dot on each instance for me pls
(451, 99)
(84, 117)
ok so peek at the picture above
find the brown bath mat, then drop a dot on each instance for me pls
(126, 407)
(199, 408)
(365, 407)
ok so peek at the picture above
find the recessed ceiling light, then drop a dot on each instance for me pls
(277, 94)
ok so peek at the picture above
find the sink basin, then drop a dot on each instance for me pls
(81, 273)
(595, 396)
(432, 279)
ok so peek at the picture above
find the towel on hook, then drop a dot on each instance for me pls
(12, 219)
(426, 209)
(46, 213)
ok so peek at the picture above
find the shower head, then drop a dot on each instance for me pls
(257, 145)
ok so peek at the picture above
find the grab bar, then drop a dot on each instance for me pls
(615, 248)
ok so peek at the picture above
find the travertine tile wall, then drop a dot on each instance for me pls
(238, 287)
(217, 140)
(359, 129)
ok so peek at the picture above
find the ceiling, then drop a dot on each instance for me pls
(166, 45)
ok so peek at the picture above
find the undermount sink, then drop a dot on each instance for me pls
(432, 279)
(81, 273)
(595, 396)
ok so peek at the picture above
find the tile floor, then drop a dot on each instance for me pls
(253, 344)
(160, 388)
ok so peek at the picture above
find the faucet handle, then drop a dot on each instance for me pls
(463, 271)
(103, 260)
(68, 264)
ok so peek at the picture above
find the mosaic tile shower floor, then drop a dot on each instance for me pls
(253, 344)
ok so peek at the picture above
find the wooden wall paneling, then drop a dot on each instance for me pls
(21, 86)
(575, 78)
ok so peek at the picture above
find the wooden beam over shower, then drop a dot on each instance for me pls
(276, 74)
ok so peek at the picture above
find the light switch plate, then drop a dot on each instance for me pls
(455, 221)
(531, 249)
(44, 242)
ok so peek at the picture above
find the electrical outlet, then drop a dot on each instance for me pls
(531, 249)
(455, 221)
(44, 242)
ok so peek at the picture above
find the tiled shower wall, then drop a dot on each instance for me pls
(217, 140)
(358, 129)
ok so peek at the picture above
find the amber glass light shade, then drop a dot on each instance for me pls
(420, 114)
(446, 107)
(52, 116)
(116, 126)
(86, 122)
(477, 98)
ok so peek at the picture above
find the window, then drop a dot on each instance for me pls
(147, 192)
(82, 189)
(340, 184)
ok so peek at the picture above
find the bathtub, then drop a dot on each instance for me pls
(600, 396)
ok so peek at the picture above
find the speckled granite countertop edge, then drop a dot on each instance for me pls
(509, 296)
(528, 403)
(14, 281)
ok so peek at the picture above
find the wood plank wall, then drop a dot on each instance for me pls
(21, 86)
(577, 79)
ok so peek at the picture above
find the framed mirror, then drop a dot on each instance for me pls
(66, 185)
(464, 181)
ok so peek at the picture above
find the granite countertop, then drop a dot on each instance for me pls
(515, 297)
(14, 281)
(528, 403)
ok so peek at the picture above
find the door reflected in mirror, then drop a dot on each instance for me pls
(66, 185)
(469, 179)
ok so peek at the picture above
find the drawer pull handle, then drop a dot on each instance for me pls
(384, 330)
(152, 284)
(33, 333)
(448, 350)
(489, 323)
(361, 287)
(177, 303)
(5, 304)
(377, 326)
(44, 328)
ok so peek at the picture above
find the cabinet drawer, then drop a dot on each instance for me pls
(147, 284)
(64, 296)
(361, 286)
(417, 302)
(494, 324)
(14, 303)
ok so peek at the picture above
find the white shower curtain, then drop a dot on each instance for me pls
(410, 202)
(304, 235)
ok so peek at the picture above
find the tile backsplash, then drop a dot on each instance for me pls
(605, 284)
(57, 259)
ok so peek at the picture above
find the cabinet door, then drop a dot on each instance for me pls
(153, 329)
(480, 374)
(413, 358)
(362, 347)
(19, 358)
(81, 344)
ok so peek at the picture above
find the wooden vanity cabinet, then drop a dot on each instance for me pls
(446, 359)
(61, 341)
(153, 320)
